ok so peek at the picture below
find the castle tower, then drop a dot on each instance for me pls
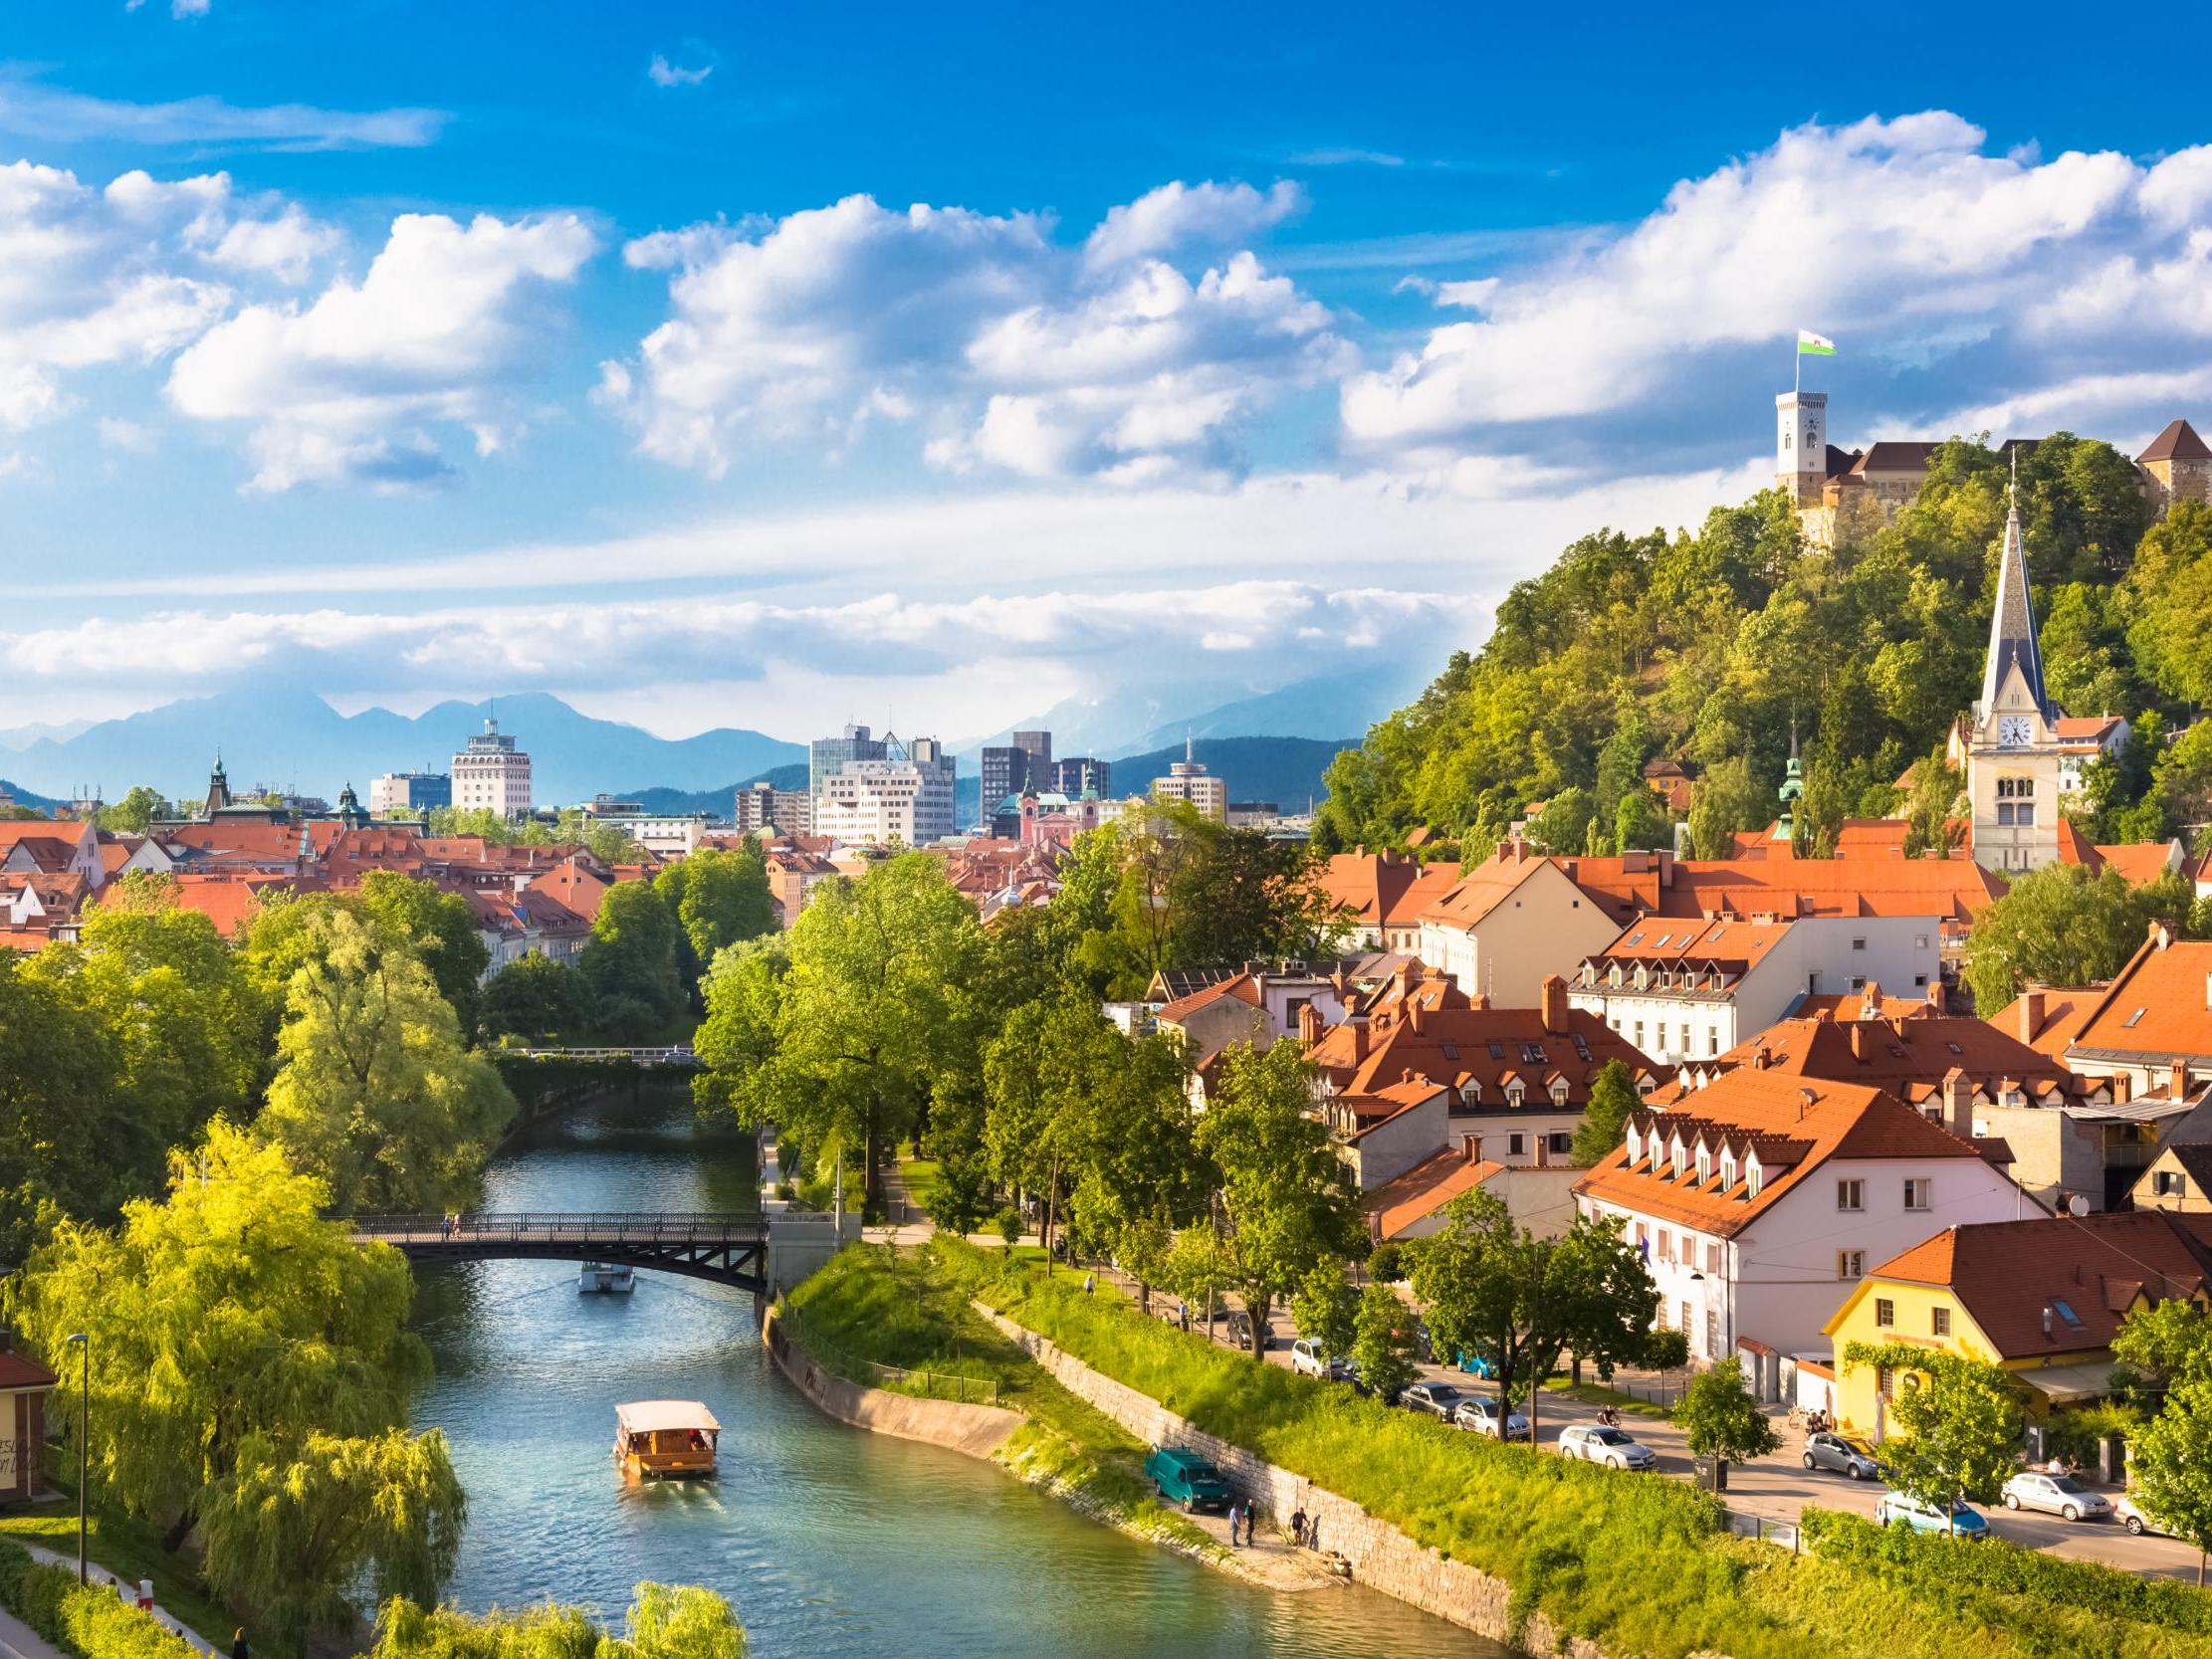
(2012, 757)
(2181, 463)
(1801, 445)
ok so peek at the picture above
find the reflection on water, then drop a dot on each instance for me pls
(833, 1544)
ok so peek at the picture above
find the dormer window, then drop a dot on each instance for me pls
(1635, 1145)
(1514, 1094)
(1727, 1169)
(1705, 1166)
(1559, 1091)
(1613, 976)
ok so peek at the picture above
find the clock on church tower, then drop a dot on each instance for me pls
(2012, 758)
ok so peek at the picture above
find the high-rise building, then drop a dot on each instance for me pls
(492, 772)
(1188, 780)
(1078, 772)
(1005, 773)
(825, 756)
(907, 796)
(1038, 745)
(763, 809)
(409, 792)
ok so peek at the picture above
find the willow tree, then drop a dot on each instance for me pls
(844, 1046)
(378, 1094)
(666, 1621)
(227, 1325)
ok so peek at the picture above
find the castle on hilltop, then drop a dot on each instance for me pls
(1839, 490)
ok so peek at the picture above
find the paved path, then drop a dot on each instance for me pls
(101, 1576)
(19, 1641)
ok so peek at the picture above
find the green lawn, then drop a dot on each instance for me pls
(1641, 1567)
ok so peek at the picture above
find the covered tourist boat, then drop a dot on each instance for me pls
(656, 1439)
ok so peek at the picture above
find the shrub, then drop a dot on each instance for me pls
(88, 1620)
(1388, 1263)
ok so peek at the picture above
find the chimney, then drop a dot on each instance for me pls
(1870, 1000)
(1553, 994)
(1520, 849)
(1958, 1104)
(2047, 1322)
(1861, 1043)
(1505, 850)
(1759, 1058)
(2123, 1088)
(1807, 1099)
(1479, 1001)
(2178, 1088)
(1359, 1041)
(2031, 1014)
(1309, 1024)
(1418, 1013)
(1936, 998)
(1666, 867)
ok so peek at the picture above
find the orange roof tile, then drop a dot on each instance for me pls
(2141, 861)
(1425, 1189)
(1381, 889)
(1908, 1056)
(1794, 1126)
(2157, 1008)
(1242, 987)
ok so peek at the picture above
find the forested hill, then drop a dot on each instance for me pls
(1705, 647)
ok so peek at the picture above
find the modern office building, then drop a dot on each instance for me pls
(670, 833)
(763, 809)
(907, 796)
(409, 792)
(1188, 780)
(1078, 772)
(492, 772)
(825, 755)
(1006, 773)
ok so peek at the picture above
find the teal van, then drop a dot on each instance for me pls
(1182, 1477)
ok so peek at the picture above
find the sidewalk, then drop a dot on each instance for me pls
(19, 1641)
(101, 1576)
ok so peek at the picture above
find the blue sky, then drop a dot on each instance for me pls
(407, 350)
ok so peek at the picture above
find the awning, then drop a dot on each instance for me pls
(2060, 1384)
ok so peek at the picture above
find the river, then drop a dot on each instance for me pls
(833, 1544)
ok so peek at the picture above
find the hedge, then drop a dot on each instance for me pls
(2003, 1568)
(88, 1620)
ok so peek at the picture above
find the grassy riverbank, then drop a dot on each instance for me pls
(1641, 1565)
(909, 1308)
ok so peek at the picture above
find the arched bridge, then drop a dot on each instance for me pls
(678, 1055)
(728, 1249)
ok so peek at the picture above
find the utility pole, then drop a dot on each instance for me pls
(83, 1449)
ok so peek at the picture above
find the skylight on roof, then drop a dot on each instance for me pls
(1954, 1048)
(1635, 940)
(2137, 1015)
(1497, 1051)
(2072, 1319)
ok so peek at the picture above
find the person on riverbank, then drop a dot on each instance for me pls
(1251, 1525)
(1235, 1514)
(238, 1647)
(1298, 1527)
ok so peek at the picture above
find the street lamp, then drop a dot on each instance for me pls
(84, 1445)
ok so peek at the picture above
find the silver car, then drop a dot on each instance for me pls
(2059, 1495)
(1597, 1443)
(1482, 1415)
(1846, 1457)
(2136, 1518)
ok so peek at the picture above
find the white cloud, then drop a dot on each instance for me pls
(351, 386)
(128, 436)
(54, 114)
(662, 72)
(188, 8)
(1900, 238)
(1008, 348)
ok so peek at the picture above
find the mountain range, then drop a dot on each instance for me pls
(298, 741)
(1134, 721)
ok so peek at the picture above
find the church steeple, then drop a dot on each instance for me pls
(2011, 624)
(1792, 789)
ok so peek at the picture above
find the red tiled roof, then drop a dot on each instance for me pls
(20, 1371)
(2141, 861)
(227, 899)
(2008, 1273)
(1425, 1189)
(1242, 987)
(2179, 442)
(1908, 1056)
(570, 884)
(2158, 1006)
(1383, 890)
(1794, 1126)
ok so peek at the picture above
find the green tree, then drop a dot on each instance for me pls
(631, 962)
(1931, 806)
(666, 1621)
(1383, 1343)
(1495, 1288)
(2170, 1460)
(70, 1144)
(1604, 1123)
(1727, 799)
(1326, 1308)
(720, 898)
(1285, 1200)
(1719, 1418)
(1564, 825)
(378, 1095)
(228, 1319)
(843, 1049)
(291, 1532)
(135, 813)
(2058, 925)
(1953, 1423)
(536, 998)
(440, 927)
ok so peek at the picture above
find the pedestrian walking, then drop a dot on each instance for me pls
(1232, 1517)
(1090, 1283)
(238, 1647)
(1298, 1527)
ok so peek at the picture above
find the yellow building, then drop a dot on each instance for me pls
(2042, 1299)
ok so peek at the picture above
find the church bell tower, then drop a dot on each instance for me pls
(2012, 762)
(1801, 445)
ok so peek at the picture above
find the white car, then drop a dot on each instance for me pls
(2059, 1495)
(2136, 1518)
(1595, 1443)
(1309, 1358)
(1479, 1413)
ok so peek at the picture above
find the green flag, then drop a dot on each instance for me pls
(1809, 345)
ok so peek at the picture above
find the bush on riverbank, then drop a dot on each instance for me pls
(1639, 1565)
(86, 1621)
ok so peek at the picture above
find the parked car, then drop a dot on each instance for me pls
(1895, 1508)
(1241, 1332)
(1599, 1443)
(1482, 1415)
(1476, 1365)
(1180, 1476)
(1439, 1399)
(1843, 1456)
(1309, 1358)
(2059, 1495)
(2136, 1518)
(1359, 1383)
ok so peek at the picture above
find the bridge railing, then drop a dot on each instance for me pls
(602, 1226)
(672, 1054)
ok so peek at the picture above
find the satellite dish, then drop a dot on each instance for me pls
(2076, 1206)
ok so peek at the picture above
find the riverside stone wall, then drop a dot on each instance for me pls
(1381, 1556)
(976, 1430)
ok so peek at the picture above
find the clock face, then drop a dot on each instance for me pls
(2015, 730)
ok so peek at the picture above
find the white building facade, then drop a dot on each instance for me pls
(908, 800)
(492, 773)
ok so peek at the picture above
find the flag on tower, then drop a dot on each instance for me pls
(1809, 345)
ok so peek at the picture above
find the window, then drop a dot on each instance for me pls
(2167, 1183)
(1919, 1194)
(1638, 1033)
(2015, 788)
(1532, 1053)
(1713, 1257)
(2066, 1313)
(1686, 1039)
(1939, 1321)
(1666, 1245)
(1515, 1144)
(1686, 1326)
(1859, 945)
(1644, 1238)
(1751, 1179)
(1712, 1332)
(1885, 1312)
(1850, 1195)
(1850, 1264)
(1562, 1142)
(1497, 1051)
(2137, 1015)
